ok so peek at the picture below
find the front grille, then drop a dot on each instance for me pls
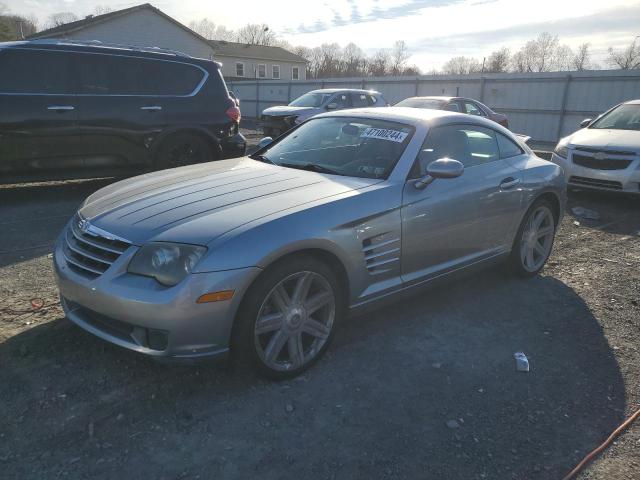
(89, 252)
(596, 164)
(610, 152)
(594, 182)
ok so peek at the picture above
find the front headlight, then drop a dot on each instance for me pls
(561, 151)
(291, 120)
(167, 262)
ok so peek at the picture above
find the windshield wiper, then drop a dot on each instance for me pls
(262, 158)
(312, 167)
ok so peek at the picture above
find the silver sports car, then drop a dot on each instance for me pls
(263, 255)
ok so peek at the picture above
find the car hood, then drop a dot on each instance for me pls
(622, 140)
(288, 110)
(198, 203)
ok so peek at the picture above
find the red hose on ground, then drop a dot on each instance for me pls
(604, 445)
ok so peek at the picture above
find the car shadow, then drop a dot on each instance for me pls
(424, 388)
(32, 215)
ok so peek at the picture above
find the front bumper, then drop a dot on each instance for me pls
(275, 126)
(138, 313)
(625, 180)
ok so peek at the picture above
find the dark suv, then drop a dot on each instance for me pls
(86, 109)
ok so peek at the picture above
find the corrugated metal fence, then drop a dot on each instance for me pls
(545, 106)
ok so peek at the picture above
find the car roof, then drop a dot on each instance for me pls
(415, 116)
(349, 90)
(633, 102)
(95, 46)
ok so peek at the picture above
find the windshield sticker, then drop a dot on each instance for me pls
(384, 134)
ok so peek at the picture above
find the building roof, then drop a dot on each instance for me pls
(91, 20)
(257, 52)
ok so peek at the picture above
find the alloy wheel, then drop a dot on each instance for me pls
(537, 239)
(295, 321)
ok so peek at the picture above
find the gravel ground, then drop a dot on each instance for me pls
(425, 388)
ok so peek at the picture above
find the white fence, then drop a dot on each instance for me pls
(545, 106)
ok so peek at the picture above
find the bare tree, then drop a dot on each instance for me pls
(380, 64)
(461, 66)
(582, 59)
(399, 57)
(102, 10)
(562, 59)
(627, 59)
(204, 27)
(498, 61)
(354, 60)
(256, 34)
(61, 18)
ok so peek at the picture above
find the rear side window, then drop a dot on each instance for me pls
(372, 100)
(473, 109)
(508, 148)
(35, 72)
(113, 75)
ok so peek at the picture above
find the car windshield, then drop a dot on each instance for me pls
(428, 103)
(624, 117)
(311, 100)
(356, 147)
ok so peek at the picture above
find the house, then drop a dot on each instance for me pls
(145, 25)
(241, 61)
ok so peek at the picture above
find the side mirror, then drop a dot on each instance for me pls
(441, 168)
(264, 142)
(585, 123)
(332, 106)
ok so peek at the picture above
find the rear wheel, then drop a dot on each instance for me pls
(288, 317)
(183, 149)
(534, 240)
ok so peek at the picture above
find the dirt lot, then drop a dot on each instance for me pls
(381, 403)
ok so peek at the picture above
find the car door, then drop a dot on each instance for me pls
(38, 118)
(341, 100)
(120, 112)
(455, 222)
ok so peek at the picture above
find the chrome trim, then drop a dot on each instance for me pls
(85, 253)
(95, 244)
(98, 232)
(77, 264)
(61, 107)
(151, 108)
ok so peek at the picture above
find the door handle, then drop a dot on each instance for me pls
(151, 108)
(61, 108)
(508, 183)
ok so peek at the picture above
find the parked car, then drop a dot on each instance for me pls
(266, 254)
(455, 104)
(277, 120)
(86, 109)
(605, 153)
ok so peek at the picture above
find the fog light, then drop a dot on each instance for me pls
(157, 339)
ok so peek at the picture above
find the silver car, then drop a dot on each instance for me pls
(277, 120)
(605, 153)
(264, 255)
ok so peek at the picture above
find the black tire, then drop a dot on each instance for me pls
(517, 261)
(182, 149)
(247, 345)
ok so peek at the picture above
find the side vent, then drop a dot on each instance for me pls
(381, 253)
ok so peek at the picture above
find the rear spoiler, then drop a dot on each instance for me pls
(523, 137)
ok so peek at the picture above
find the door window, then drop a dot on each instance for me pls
(342, 100)
(473, 109)
(35, 72)
(239, 69)
(372, 100)
(295, 73)
(262, 71)
(470, 144)
(508, 148)
(359, 100)
(113, 75)
(452, 107)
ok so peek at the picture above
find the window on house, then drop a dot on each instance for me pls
(275, 71)
(295, 73)
(262, 71)
(239, 69)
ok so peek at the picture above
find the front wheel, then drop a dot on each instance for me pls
(289, 317)
(534, 240)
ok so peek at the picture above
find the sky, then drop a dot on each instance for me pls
(434, 30)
